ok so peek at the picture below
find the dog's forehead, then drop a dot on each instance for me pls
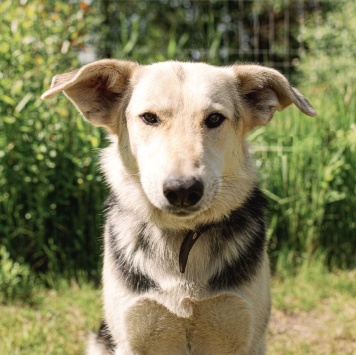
(170, 83)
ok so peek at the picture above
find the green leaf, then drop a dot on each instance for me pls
(23, 102)
(8, 100)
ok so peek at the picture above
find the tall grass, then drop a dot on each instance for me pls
(51, 192)
(308, 172)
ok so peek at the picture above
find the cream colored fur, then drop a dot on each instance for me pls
(184, 316)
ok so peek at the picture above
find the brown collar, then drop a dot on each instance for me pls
(188, 242)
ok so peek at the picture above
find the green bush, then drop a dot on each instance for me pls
(16, 281)
(330, 39)
(51, 192)
(49, 195)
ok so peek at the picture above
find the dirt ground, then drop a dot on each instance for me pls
(320, 331)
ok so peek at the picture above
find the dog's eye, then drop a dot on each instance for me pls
(150, 118)
(214, 120)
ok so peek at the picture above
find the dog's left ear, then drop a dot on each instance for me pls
(97, 89)
(265, 90)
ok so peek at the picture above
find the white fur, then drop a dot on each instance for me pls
(182, 314)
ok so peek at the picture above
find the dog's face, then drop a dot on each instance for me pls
(182, 123)
(181, 126)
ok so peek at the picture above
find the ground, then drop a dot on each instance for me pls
(312, 314)
(320, 331)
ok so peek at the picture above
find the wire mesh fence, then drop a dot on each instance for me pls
(276, 33)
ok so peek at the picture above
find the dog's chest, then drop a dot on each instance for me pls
(218, 325)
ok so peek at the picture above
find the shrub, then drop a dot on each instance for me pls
(16, 281)
(49, 201)
(330, 39)
(51, 193)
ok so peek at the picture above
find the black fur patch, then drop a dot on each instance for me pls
(133, 278)
(104, 337)
(247, 222)
(111, 202)
(143, 243)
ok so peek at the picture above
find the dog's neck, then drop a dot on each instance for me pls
(188, 242)
(231, 242)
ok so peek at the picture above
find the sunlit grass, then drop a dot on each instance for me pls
(307, 170)
(313, 313)
(55, 322)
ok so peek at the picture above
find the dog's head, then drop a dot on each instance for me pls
(180, 127)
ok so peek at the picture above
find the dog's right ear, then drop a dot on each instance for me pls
(96, 89)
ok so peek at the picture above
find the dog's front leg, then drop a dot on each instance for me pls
(151, 329)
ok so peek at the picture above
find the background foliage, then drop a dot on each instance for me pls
(49, 199)
(50, 190)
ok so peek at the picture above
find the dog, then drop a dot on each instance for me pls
(185, 269)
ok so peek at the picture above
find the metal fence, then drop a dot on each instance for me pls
(217, 31)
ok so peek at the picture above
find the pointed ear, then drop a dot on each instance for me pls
(265, 90)
(97, 89)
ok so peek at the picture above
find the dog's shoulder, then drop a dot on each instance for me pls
(240, 243)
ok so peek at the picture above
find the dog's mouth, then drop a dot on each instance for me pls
(182, 212)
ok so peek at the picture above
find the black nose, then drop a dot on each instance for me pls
(183, 192)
